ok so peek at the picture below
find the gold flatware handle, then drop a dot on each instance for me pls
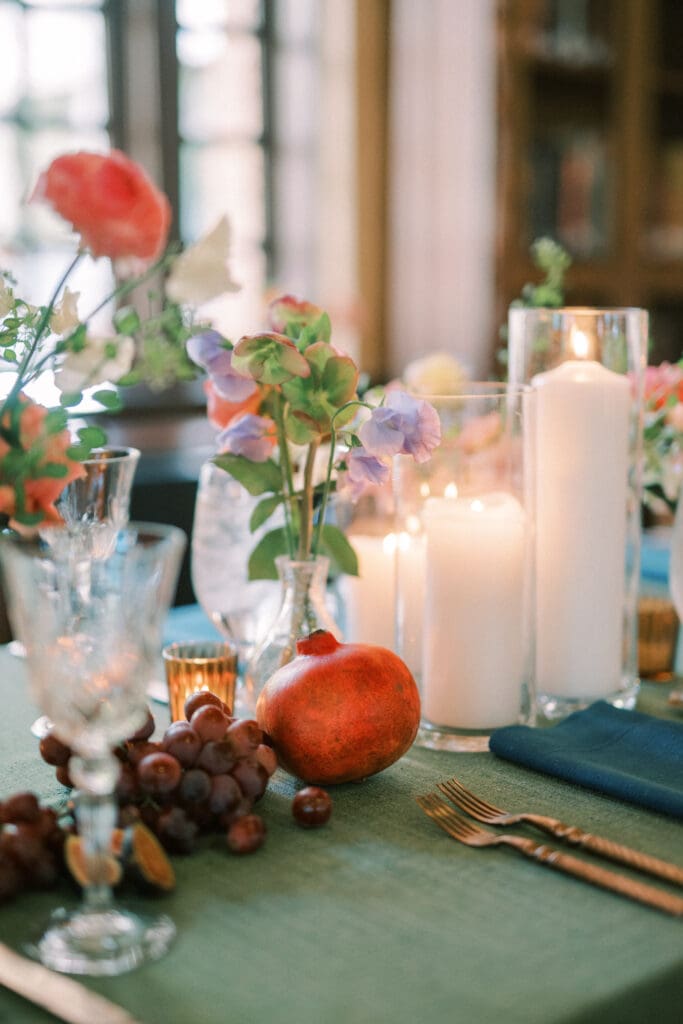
(603, 877)
(611, 850)
(65, 998)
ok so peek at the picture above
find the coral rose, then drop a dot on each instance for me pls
(41, 448)
(110, 202)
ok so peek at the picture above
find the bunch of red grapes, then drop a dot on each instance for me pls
(205, 774)
(31, 842)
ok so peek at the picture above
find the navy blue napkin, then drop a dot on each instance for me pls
(625, 754)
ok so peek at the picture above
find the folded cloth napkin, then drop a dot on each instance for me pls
(626, 754)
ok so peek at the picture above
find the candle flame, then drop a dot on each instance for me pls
(424, 490)
(389, 544)
(451, 491)
(477, 505)
(413, 524)
(580, 343)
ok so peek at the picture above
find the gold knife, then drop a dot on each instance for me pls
(61, 996)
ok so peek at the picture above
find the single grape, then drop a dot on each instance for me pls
(246, 834)
(210, 723)
(252, 778)
(217, 757)
(195, 786)
(129, 814)
(137, 749)
(159, 774)
(176, 830)
(26, 849)
(245, 735)
(311, 807)
(53, 751)
(145, 730)
(47, 823)
(267, 757)
(181, 741)
(245, 806)
(22, 807)
(225, 794)
(127, 789)
(199, 700)
(62, 776)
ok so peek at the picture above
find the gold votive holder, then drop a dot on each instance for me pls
(658, 626)
(194, 666)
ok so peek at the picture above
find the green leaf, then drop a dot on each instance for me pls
(335, 545)
(109, 399)
(256, 477)
(55, 421)
(264, 511)
(69, 400)
(9, 355)
(94, 437)
(126, 320)
(262, 559)
(78, 452)
(28, 518)
(54, 470)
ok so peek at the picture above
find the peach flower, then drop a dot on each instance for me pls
(221, 412)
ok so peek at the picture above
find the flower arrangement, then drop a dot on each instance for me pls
(663, 436)
(118, 214)
(283, 397)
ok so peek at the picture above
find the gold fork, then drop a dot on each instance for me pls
(491, 815)
(472, 835)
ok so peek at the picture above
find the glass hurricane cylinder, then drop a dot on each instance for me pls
(586, 367)
(90, 651)
(464, 546)
(303, 610)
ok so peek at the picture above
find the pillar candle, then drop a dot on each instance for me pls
(474, 638)
(582, 457)
(369, 597)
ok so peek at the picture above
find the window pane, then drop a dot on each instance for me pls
(223, 179)
(238, 13)
(220, 91)
(11, 65)
(11, 185)
(296, 82)
(297, 20)
(66, 72)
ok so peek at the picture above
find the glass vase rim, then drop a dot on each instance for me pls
(312, 561)
(224, 650)
(486, 389)
(34, 547)
(596, 311)
(111, 453)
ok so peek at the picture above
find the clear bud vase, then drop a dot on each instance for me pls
(303, 609)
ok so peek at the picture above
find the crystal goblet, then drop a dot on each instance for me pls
(90, 652)
(94, 508)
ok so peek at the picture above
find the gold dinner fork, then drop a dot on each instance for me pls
(472, 835)
(491, 815)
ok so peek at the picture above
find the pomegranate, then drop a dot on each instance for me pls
(339, 712)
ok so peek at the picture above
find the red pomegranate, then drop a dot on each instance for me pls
(339, 712)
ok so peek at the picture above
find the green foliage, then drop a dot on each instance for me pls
(256, 477)
(262, 559)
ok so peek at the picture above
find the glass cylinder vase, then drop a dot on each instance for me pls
(303, 610)
(586, 367)
(464, 568)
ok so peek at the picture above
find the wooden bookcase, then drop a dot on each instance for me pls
(590, 129)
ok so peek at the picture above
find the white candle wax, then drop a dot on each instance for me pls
(582, 429)
(410, 583)
(369, 597)
(474, 642)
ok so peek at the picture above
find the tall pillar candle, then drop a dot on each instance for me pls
(475, 647)
(582, 453)
(369, 597)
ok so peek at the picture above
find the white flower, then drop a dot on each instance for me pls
(201, 273)
(436, 374)
(6, 299)
(65, 313)
(94, 364)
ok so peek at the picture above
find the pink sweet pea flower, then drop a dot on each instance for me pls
(250, 436)
(208, 351)
(363, 471)
(403, 426)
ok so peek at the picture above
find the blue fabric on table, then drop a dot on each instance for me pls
(626, 754)
(655, 555)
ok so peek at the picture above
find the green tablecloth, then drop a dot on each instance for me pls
(379, 917)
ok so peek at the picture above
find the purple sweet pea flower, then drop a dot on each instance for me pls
(250, 436)
(403, 426)
(363, 470)
(207, 351)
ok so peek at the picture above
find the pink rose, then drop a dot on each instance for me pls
(110, 202)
